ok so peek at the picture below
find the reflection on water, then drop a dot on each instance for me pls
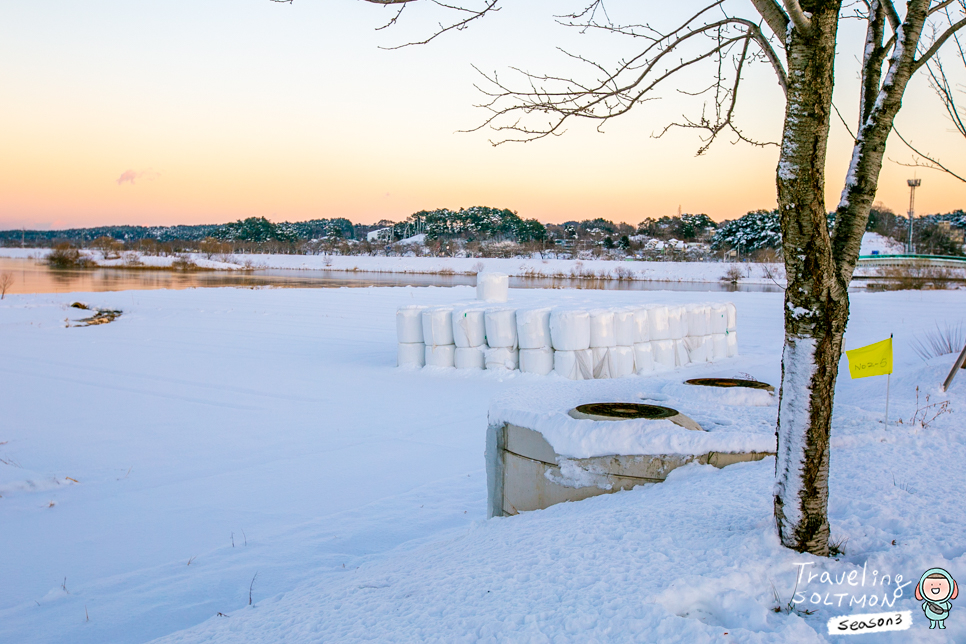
(30, 276)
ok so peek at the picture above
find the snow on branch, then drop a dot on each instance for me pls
(798, 17)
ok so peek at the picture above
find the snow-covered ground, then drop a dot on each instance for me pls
(153, 466)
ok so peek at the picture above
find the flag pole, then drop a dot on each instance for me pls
(888, 383)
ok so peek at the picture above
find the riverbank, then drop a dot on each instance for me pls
(546, 273)
(532, 267)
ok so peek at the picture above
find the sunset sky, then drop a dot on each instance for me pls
(178, 112)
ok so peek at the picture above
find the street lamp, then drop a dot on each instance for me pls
(913, 184)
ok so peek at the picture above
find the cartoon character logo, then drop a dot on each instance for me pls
(936, 589)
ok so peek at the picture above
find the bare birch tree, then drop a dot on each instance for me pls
(797, 39)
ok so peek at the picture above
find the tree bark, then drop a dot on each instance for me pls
(819, 264)
(816, 305)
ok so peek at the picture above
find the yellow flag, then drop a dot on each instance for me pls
(872, 360)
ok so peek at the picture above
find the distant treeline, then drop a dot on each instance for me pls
(754, 232)
(932, 234)
(253, 229)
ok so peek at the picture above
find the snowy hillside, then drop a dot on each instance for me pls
(880, 244)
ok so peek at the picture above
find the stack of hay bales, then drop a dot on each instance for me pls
(662, 346)
(641, 333)
(570, 337)
(698, 342)
(469, 335)
(438, 336)
(533, 336)
(411, 351)
(501, 338)
(577, 344)
(677, 317)
(731, 332)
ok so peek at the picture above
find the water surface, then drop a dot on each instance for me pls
(31, 276)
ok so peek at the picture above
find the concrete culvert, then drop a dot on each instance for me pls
(525, 472)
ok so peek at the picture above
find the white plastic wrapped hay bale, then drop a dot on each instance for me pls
(602, 367)
(502, 358)
(470, 358)
(643, 357)
(570, 329)
(574, 365)
(624, 330)
(602, 329)
(533, 328)
(469, 327)
(719, 346)
(441, 355)
(409, 324)
(732, 338)
(658, 324)
(699, 319)
(501, 328)
(732, 316)
(700, 348)
(719, 318)
(677, 319)
(539, 361)
(410, 354)
(681, 356)
(642, 332)
(621, 361)
(492, 287)
(438, 325)
(663, 352)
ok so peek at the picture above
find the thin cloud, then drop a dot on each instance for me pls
(130, 176)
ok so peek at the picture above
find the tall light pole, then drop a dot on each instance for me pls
(913, 184)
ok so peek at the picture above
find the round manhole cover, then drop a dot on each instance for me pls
(627, 411)
(729, 382)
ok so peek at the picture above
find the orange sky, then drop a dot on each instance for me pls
(223, 110)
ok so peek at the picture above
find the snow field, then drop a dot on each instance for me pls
(278, 416)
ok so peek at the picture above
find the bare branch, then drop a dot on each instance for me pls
(847, 128)
(892, 14)
(770, 54)
(587, 16)
(946, 35)
(939, 7)
(459, 25)
(942, 87)
(933, 163)
(634, 30)
(874, 55)
(797, 16)
(394, 18)
(724, 122)
(631, 82)
(773, 15)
